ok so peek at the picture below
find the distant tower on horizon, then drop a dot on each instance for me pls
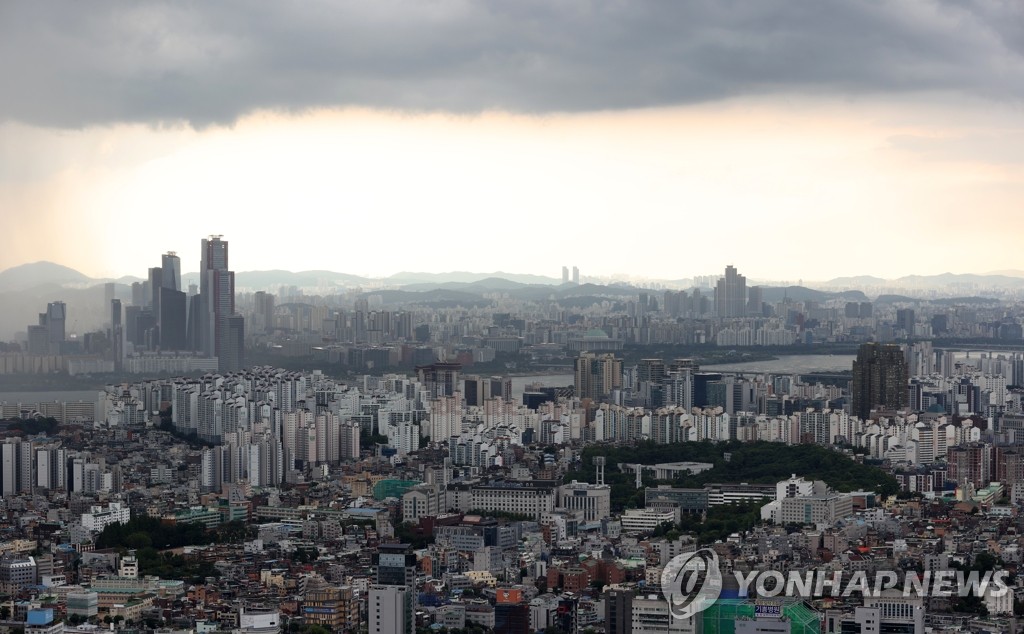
(109, 292)
(56, 320)
(905, 320)
(755, 301)
(731, 294)
(565, 275)
(48, 336)
(575, 276)
(264, 312)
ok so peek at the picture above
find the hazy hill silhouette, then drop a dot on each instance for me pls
(35, 274)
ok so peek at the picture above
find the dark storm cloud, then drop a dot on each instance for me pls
(72, 64)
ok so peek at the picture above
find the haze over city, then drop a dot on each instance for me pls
(662, 143)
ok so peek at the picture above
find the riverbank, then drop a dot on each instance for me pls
(796, 359)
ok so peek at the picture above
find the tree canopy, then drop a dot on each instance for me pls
(734, 461)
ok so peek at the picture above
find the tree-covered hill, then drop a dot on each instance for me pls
(751, 462)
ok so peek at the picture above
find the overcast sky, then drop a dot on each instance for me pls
(796, 140)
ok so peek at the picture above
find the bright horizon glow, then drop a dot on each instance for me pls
(783, 189)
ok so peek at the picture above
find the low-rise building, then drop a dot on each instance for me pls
(645, 520)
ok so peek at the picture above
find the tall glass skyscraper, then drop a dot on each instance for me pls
(170, 270)
(216, 335)
(170, 306)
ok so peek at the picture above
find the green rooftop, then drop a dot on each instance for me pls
(392, 488)
(721, 617)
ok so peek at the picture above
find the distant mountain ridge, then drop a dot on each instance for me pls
(1008, 273)
(39, 274)
(266, 280)
(406, 277)
(772, 294)
(1005, 279)
(858, 281)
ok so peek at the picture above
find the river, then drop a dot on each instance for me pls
(519, 383)
(790, 364)
(787, 364)
(91, 396)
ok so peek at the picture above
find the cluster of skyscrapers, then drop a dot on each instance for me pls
(164, 318)
(48, 336)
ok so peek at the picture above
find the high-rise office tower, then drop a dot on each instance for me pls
(264, 312)
(56, 316)
(140, 326)
(172, 319)
(565, 275)
(116, 333)
(731, 294)
(217, 304)
(650, 370)
(478, 390)
(138, 296)
(649, 388)
(109, 291)
(131, 323)
(48, 336)
(905, 320)
(194, 324)
(755, 299)
(440, 379)
(618, 612)
(880, 378)
(575, 276)
(232, 346)
(473, 391)
(156, 280)
(501, 387)
(38, 338)
(392, 600)
(169, 303)
(597, 376)
(170, 271)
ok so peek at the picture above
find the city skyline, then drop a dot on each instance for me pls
(468, 316)
(703, 136)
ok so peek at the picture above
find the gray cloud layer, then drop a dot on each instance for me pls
(73, 64)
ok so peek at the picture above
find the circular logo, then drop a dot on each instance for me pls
(691, 582)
